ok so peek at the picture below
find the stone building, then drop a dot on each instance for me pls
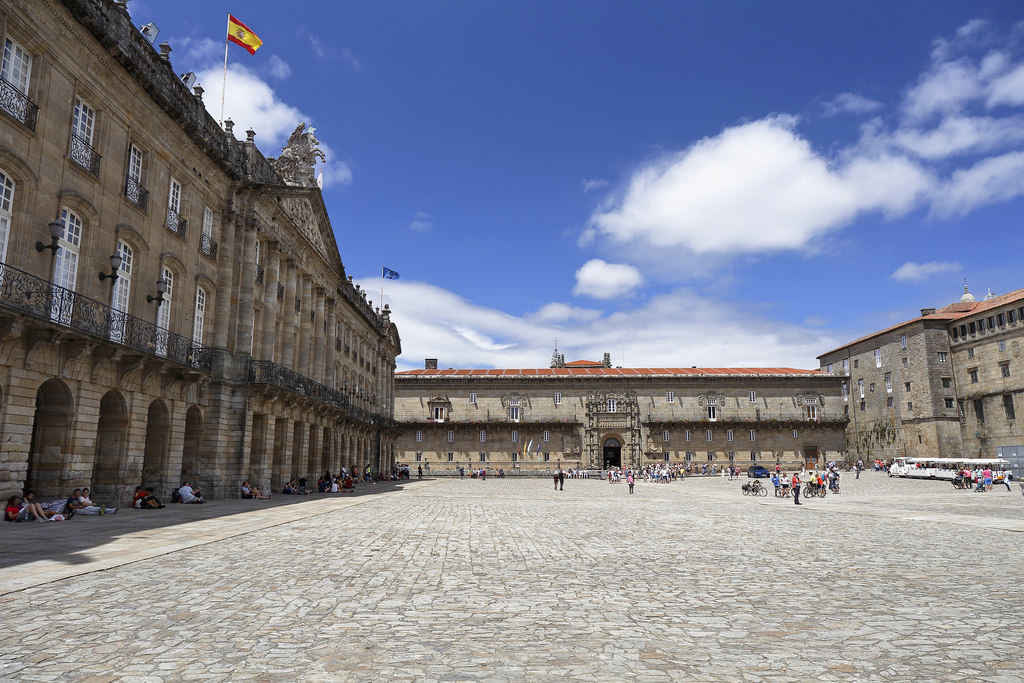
(948, 383)
(173, 304)
(587, 414)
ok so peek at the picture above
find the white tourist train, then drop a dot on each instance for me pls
(942, 468)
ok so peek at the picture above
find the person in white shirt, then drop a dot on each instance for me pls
(189, 494)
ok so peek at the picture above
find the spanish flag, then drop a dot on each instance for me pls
(240, 34)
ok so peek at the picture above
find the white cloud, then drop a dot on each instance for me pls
(252, 103)
(754, 187)
(435, 323)
(992, 180)
(324, 51)
(603, 280)
(422, 222)
(279, 68)
(597, 184)
(916, 272)
(1007, 88)
(945, 89)
(852, 103)
(960, 135)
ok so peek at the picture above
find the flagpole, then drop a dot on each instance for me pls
(381, 302)
(224, 83)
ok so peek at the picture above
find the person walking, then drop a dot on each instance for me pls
(630, 481)
(554, 477)
(561, 479)
(419, 471)
(795, 482)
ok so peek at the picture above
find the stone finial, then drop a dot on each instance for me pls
(250, 136)
(229, 126)
(165, 51)
(198, 90)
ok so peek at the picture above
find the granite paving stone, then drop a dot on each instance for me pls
(505, 579)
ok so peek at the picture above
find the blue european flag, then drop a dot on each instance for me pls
(389, 274)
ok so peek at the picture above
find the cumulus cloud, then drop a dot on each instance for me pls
(850, 103)
(252, 103)
(422, 222)
(279, 68)
(754, 187)
(916, 272)
(597, 184)
(761, 186)
(436, 323)
(603, 280)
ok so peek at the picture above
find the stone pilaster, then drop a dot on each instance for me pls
(288, 316)
(270, 303)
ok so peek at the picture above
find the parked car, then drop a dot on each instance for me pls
(758, 471)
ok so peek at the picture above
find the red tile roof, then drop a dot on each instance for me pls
(953, 311)
(603, 371)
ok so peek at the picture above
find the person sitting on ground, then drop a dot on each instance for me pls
(291, 488)
(189, 494)
(251, 491)
(83, 506)
(107, 509)
(19, 510)
(145, 500)
(335, 486)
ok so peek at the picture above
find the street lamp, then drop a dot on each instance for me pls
(56, 230)
(161, 287)
(115, 265)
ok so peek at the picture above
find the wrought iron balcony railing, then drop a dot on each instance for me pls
(82, 153)
(15, 103)
(268, 372)
(44, 300)
(136, 193)
(175, 223)
(259, 274)
(209, 247)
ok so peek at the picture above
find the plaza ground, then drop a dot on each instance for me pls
(448, 579)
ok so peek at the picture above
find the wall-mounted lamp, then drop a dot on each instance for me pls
(56, 230)
(161, 287)
(115, 265)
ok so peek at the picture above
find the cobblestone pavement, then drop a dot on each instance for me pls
(509, 580)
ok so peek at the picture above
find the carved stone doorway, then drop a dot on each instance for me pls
(612, 449)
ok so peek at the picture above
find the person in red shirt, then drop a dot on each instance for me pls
(795, 482)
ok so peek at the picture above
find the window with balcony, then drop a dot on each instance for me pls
(65, 267)
(15, 72)
(83, 124)
(199, 321)
(207, 244)
(175, 223)
(163, 312)
(134, 192)
(513, 411)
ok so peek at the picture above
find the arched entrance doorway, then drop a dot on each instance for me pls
(154, 461)
(55, 411)
(109, 480)
(191, 465)
(612, 451)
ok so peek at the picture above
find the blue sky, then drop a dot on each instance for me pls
(676, 183)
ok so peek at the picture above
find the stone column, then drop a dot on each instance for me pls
(318, 336)
(247, 282)
(270, 303)
(225, 267)
(288, 316)
(331, 354)
(305, 341)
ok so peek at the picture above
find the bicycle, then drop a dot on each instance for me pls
(755, 489)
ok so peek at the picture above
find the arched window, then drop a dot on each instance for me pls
(65, 267)
(163, 313)
(121, 291)
(200, 318)
(6, 203)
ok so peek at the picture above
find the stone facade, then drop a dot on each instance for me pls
(926, 383)
(231, 345)
(590, 415)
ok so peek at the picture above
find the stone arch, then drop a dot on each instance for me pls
(48, 472)
(82, 206)
(191, 453)
(133, 237)
(156, 456)
(611, 450)
(109, 474)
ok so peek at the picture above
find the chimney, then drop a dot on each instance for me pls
(607, 360)
(430, 364)
(927, 311)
